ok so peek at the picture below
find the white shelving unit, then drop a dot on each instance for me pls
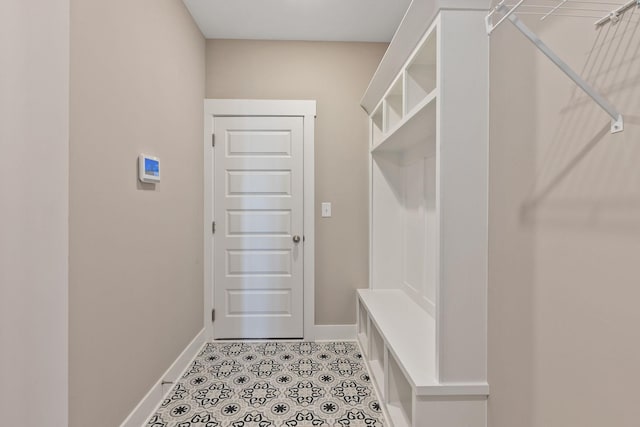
(422, 322)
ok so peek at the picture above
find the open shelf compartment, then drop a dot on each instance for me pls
(376, 358)
(421, 75)
(394, 105)
(400, 398)
(415, 135)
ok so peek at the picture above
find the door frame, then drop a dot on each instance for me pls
(272, 108)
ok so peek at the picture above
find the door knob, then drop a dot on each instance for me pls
(296, 239)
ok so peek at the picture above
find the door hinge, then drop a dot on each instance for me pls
(213, 139)
(213, 227)
(213, 315)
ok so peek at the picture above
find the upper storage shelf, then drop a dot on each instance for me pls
(414, 131)
(405, 118)
(406, 38)
(421, 73)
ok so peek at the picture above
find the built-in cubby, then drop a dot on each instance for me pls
(422, 321)
(416, 136)
(394, 105)
(421, 72)
(376, 357)
(400, 400)
(405, 199)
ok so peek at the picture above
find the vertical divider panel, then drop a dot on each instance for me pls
(378, 125)
(385, 391)
(394, 104)
(363, 328)
(463, 198)
(376, 357)
(369, 327)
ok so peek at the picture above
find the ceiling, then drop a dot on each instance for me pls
(322, 20)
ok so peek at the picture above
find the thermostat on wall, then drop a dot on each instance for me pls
(148, 168)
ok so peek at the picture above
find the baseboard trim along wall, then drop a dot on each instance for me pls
(150, 402)
(335, 332)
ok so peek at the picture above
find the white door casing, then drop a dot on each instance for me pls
(259, 192)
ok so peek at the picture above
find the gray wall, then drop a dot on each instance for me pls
(137, 85)
(34, 197)
(564, 230)
(336, 75)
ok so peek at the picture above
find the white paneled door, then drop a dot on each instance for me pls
(258, 242)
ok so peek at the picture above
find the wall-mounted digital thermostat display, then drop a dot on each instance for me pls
(148, 168)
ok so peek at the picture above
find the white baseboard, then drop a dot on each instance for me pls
(150, 402)
(335, 332)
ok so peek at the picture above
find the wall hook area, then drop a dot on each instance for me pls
(508, 13)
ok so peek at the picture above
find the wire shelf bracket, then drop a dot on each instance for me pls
(506, 13)
(614, 15)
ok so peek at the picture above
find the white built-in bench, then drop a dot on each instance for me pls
(409, 334)
(393, 321)
(395, 332)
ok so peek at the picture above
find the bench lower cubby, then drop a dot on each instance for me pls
(402, 366)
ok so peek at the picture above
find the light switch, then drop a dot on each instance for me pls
(326, 209)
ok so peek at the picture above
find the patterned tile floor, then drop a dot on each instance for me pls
(273, 384)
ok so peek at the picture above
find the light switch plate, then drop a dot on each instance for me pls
(326, 209)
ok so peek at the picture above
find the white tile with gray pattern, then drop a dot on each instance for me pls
(273, 384)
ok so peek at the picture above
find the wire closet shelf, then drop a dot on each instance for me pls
(602, 13)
